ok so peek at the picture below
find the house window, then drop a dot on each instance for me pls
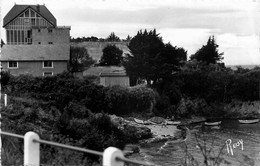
(50, 42)
(47, 74)
(39, 42)
(13, 64)
(49, 30)
(26, 20)
(47, 64)
(33, 21)
(27, 13)
(39, 30)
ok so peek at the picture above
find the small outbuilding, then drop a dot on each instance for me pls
(114, 78)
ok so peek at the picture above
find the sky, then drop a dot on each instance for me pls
(184, 23)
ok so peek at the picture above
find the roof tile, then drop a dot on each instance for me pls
(34, 52)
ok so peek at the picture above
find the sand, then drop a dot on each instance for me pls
(163, 130)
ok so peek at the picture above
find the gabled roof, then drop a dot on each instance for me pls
(35, 52)
(18, 9)
(104, 69)
(113, 74)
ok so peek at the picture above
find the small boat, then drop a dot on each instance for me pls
(148, 122)
(212, 123)
(249, 121)
(138, 121)
(157, 120)
(169, 122)
(215, 127)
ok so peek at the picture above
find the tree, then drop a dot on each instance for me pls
(128, 38)
(79, 59)
(144, 48)
(150, 58)
(2, 43)
(112, 56)
(170, 60)
(113, 37)
(208, 53)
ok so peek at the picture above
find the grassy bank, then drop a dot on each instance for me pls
(70, 111)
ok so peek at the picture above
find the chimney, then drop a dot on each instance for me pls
(38, 8)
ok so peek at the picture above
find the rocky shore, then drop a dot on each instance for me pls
(152, 133)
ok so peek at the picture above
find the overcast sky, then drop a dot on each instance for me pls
(184, 23)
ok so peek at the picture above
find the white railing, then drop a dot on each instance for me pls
(111, 156)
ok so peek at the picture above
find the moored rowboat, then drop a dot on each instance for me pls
(169, 122)
(248, 121)
(213, 123)
(138, 121)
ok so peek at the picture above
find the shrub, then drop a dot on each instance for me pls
(121, 100)
(162, 107)
(117, 100)
(240, 109)
(92, 96)
(76, 126)
(5, 77)
(141, 98)
(245, 87)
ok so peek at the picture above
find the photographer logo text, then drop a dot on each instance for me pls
(231, 146)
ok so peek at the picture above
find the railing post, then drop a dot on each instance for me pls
(31, 149)
(109, 157)
(5, 99)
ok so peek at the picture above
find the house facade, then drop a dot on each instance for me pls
(34, 43)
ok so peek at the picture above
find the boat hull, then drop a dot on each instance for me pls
(212, 123)
(172, 122)
(248, 121)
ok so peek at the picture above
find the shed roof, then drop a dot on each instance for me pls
(113, 74)
(34, 52)
(18, 9)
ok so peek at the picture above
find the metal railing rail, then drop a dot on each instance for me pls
(111, 156)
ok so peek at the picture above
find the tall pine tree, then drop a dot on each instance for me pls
(150, 59)
(208, 53)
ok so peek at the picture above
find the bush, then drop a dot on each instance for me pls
(163, 107)
(239, 109)
(76, 126)
(122, 101)
(245, 87)
(5, 77)
(117, 100)
(142, 98)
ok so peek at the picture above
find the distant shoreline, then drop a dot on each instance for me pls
(233, 67)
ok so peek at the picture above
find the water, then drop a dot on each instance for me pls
(173, 153)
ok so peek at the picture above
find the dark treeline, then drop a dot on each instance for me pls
(180, 81)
